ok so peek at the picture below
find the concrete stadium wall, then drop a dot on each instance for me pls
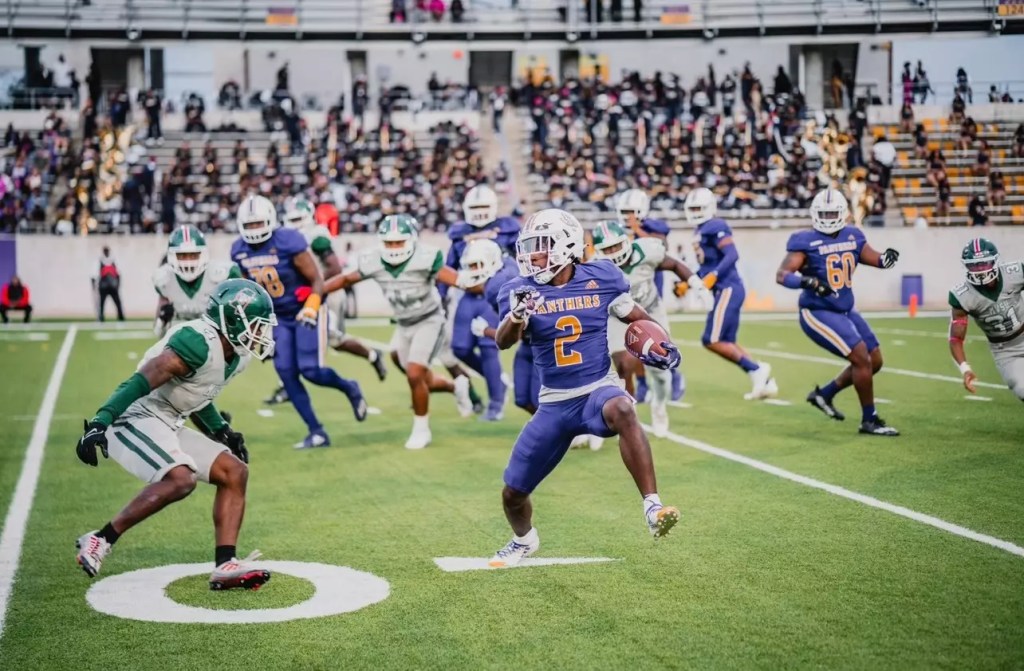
(58, 270)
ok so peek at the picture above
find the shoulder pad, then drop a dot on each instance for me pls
(163, 276)
(961, 289)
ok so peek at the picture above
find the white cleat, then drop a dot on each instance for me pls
(595, 443)
(512, 554)
(661, 519)
(239, 574)
(462, 400)
(418, 439)
(659, 419)
(759, 380)
(579, 442)
(91, 551)
(771, 390)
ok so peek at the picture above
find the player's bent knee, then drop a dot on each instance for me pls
(618, 412)
(513, 498)
(417, 374)
(182, 479)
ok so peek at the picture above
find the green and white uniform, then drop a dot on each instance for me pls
(999, 313)
(149, 438)
(646, 255)
(190, 298)
(414, 299)
(319, 240)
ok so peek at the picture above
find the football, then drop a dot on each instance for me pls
(645, 336)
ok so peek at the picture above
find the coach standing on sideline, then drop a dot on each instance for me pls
(109, 284)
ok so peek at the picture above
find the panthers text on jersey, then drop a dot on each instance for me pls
(189, 298)
(998, 312)
(271, 264)
(409, 286)
(569, 331)
(831, 259)
(705, 245)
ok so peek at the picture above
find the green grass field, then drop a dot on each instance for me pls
(762, 572)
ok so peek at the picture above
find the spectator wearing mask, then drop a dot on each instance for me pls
(109, 285)
(14, 296)
(977, 210)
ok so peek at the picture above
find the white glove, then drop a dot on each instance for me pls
(477, 326)
(524, 302)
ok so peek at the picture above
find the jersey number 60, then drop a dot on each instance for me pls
(840, 270)
(570, 357)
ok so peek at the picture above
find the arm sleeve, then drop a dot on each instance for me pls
(729, 258)
(795, 244)
(954, 303)
(126, 393)
(210, 418)
(190, 346)
(504, 302)
(437, 265)
(321, 247)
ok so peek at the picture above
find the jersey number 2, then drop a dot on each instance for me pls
(267, 277)
(840, 270)
(571, 357)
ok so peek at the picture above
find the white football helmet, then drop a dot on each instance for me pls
(482, 259)
(480, 206)
(299, 213)
(829, 211)
(554, 233)
(632, 201)
(700, 206)
(612, 242)
(397, 228)
(257, 219)
(188, 242)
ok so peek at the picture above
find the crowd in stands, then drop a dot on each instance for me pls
(422, 10)
(30, 164)
(753, 149)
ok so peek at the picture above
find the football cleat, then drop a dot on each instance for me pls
(816, 399)
(579, 442)
(279, 396)
(318, 438)
(641, 389)
(418, 439)
(595, 443)
(659, 419)
(876, 427)
(379, 366)
(91, 551)
(492, 416)
(462, 400)
(759, 380)
(238, 573)
(661, 519)
(355, 397)
(678, 385)
(512, 554)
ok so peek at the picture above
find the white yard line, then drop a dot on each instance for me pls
(925, 334)
(24, 492)
(871, 501)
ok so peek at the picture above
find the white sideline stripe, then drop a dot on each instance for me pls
(926, 334)
(871, 501)
(31, 336)
(123, 335)
(679, 404)
(896, 371)
(458, 564)
(24, 492)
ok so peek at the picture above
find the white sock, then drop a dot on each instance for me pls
(420, 423)
(531, 537)
(651, 501)
(372, 356)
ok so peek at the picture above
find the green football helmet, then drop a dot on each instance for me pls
(244, 313)
(612, 242)
(981, 260)
(400, 230)
(299, 213)
(187, 254)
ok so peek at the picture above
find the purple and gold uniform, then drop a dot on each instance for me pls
(503, 230)
(723, 321)
(569, 337)
(299, 350)
(525, 378)
(831, 321)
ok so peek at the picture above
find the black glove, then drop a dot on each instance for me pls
(889, 258)
(166, 312)
(815, 285)
(95, 436)
(235, 442)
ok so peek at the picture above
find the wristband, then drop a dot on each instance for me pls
(792, 280)
(313, 302)
(964, 367)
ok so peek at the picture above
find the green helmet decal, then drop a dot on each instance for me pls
(612, 242)
(397, 234)
(981, 261)
(244, 313)
(186, 252)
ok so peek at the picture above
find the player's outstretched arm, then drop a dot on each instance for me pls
(460, 279)
(339, 282)
(332, 266)
(873, 257)
(789, 276)
(957, 333)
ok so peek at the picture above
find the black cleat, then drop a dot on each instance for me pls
(379, 366)
(279, 396)
(876, 427)
(816, 399)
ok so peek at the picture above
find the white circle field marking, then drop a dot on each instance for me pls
(141, 595)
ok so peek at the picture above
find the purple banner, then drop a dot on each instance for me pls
(8, 258)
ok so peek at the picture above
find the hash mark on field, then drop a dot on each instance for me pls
(883, 401)
(265, 412)
(457, 564)
(899, 343)
(776, 401)
(24, 492)
(30, 337)
(972, 397)
(870, 501)
(370, 410)
(679, 404)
